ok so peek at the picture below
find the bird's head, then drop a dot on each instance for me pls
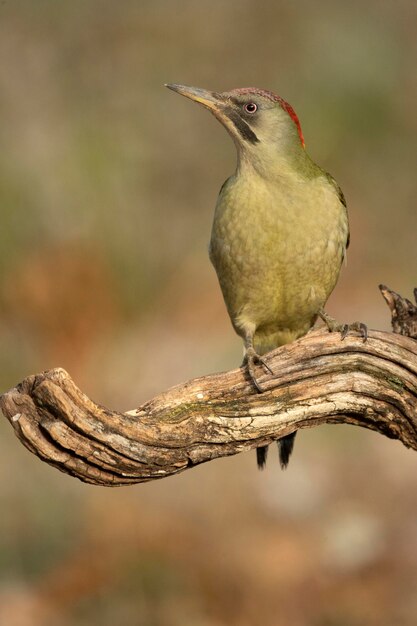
(263, 125)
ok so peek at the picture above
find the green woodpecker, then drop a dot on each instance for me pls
(280, 229)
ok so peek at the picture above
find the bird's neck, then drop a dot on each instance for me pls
(274, 165)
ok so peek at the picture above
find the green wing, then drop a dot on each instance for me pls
(341, 197)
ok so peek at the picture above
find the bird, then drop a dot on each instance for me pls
(280, 230)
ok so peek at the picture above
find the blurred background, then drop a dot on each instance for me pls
(107, 188)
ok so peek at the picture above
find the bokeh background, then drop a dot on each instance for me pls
(107, 188)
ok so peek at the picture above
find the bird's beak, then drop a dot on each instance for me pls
(222, 109)
(209, 99)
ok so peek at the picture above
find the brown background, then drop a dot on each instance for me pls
(107, 188)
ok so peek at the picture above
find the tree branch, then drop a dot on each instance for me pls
(319, 379)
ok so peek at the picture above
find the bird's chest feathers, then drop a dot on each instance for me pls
(271, 226)
(281, 244)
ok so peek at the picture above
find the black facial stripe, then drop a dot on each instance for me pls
(243, 128)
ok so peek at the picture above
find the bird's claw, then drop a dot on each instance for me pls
(358, 327)
(252, 360)
(344, 329)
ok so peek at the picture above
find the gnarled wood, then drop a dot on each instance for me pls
(319, 379)
(403, 312)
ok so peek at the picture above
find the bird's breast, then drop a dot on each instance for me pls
(277, 250)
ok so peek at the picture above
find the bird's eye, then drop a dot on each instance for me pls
(251, 107)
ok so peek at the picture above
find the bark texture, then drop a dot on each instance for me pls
(319, 379)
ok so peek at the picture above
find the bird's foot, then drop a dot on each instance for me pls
(333, 326)
(358, 327)
(252, 359)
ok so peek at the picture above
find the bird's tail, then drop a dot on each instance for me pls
(285, 448)
(261, 454)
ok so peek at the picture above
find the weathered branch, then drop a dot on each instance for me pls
(319, 379)
(403, 312)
